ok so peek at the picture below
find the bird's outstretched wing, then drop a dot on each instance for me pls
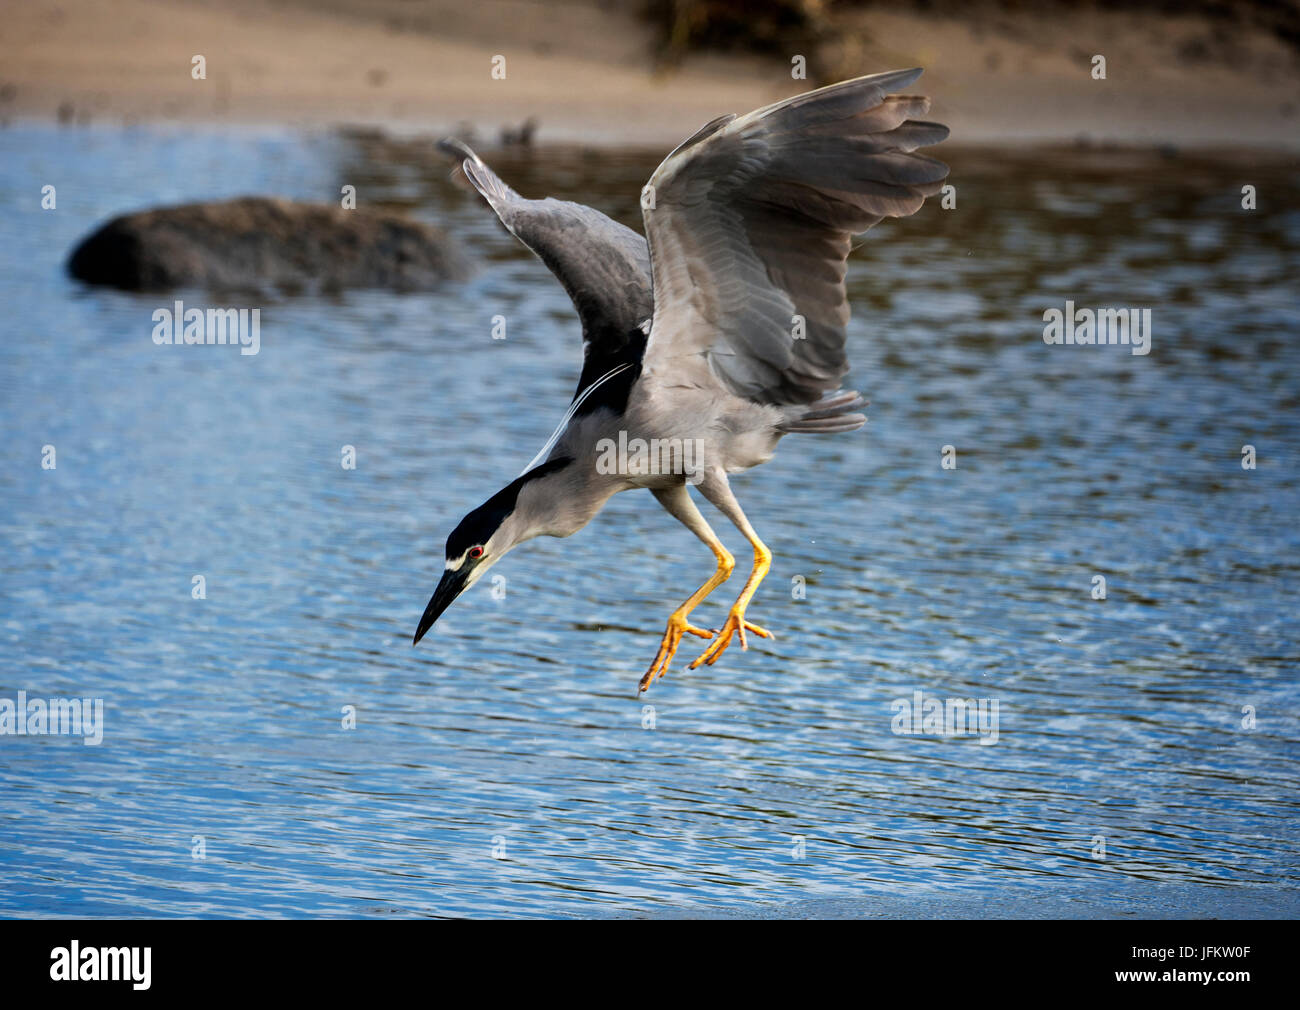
(749, 223)
(604, 266)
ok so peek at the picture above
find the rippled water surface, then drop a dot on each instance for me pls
(514, 729)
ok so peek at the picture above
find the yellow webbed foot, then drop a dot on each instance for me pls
(677, 626)
(735, 625)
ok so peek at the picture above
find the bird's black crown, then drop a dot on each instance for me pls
(478, 526)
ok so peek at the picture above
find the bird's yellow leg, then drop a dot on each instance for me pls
(736, 623)
(677, 623)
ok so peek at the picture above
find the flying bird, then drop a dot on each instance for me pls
(714, 336)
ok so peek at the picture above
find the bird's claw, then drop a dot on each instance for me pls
(736, 625)
(677, 626)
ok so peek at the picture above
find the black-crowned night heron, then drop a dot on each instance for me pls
(724, 333)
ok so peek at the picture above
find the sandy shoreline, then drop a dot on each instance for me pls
(587, 73)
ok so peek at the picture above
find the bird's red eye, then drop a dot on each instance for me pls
(475, 552)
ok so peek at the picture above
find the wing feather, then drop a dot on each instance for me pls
(604, 266)
(750, 230)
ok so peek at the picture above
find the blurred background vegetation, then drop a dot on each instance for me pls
(826, 30)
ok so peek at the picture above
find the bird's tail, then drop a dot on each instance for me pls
(833, 412)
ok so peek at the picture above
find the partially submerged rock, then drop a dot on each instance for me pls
(258, 243)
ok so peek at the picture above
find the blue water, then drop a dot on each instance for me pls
(514, 730)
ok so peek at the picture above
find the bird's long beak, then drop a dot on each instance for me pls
(451, 586)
